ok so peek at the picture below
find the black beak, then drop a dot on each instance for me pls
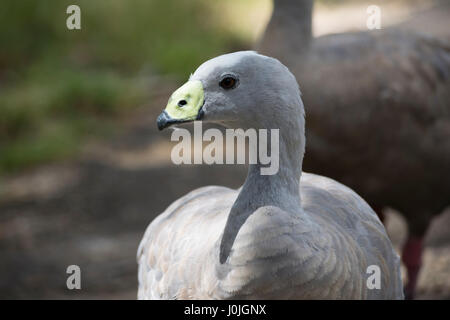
(164, 120)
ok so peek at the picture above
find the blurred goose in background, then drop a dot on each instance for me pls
(378, 106)
(283, 236)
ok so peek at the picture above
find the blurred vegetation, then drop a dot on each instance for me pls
(58, 87)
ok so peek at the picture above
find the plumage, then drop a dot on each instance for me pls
(378, 106)
(283, 236)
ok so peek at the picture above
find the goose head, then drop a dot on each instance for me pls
(238, 90)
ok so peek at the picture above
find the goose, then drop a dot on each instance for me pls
(378, 104)
(289, 235)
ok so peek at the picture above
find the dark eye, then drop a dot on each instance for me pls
(228, 82)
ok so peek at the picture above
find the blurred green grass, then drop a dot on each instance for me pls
(59, 87)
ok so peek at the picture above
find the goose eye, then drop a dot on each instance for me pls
(228, 83)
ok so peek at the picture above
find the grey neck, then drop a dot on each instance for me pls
(295, 17)
(280, 190)
(289, 29)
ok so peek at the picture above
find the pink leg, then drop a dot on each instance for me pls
(412, 257)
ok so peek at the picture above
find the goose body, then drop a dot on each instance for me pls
(283, 236)
(321, 252)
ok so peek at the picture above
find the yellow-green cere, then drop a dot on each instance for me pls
(186, 101)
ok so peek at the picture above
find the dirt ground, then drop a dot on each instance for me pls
(93, 211)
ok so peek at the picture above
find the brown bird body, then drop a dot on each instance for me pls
(378, 114)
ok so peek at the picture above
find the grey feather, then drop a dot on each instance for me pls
(286, 236)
